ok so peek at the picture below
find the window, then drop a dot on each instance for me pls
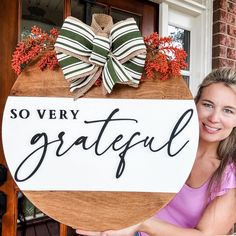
(44, 14)
(189, 23)
(181, 39)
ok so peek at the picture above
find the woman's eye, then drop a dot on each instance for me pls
(207, 105)
(228, 111)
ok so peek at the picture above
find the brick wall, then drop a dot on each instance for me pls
(224, 33)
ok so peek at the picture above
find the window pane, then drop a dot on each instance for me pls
(44, 14)
(181, 38)
(186, 79)
(77, 9)
(119, 15)
(30, 210)
(26, 210)
(99, 8)
(85, 10)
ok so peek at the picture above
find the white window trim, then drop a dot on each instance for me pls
(201, 34)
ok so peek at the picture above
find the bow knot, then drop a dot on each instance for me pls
(117, 52)
(100, 51)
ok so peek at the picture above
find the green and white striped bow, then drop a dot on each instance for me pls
(117, 52)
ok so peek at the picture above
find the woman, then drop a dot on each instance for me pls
(206, 205)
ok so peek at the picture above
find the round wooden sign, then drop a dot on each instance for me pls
(97, 209)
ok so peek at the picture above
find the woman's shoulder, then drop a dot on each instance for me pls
(228, 181)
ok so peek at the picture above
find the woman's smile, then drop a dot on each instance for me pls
(210, 129)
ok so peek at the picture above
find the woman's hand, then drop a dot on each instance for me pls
(129, 231)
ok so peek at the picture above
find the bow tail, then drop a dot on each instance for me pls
(135, 67)
(80, 74)
(74, 68)
(114, 72)
(83, 86)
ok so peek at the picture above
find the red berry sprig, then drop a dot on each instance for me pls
(28, 49)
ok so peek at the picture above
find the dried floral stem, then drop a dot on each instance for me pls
(28, 49)
(163, 58)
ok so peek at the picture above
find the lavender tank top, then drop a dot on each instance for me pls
(187, 207)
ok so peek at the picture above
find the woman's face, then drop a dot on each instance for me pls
(216, 112)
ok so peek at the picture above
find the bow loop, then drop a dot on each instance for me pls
(75, 39)
(126, 40)
(83, 52)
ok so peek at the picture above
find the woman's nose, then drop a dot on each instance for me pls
(214, 117)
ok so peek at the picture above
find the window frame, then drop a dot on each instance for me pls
(197, 18)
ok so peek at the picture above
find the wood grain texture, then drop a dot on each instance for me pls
(97, 210)
(33, 82)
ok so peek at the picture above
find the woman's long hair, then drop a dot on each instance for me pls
(226, 150)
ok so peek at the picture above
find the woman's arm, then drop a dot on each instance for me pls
(152, 227)
(220, 215)
(218, 218)
(156, 227)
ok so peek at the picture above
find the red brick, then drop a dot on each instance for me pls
(231, 7)
(226, 63)
(219, 51)
(219, 15)
(231, 30)
(219, 27)
(219, 4)
(224, 39)
(219, 39)
(230, 18)
(221, 62)
(230, 42)
(215, 63)
(231, 53)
